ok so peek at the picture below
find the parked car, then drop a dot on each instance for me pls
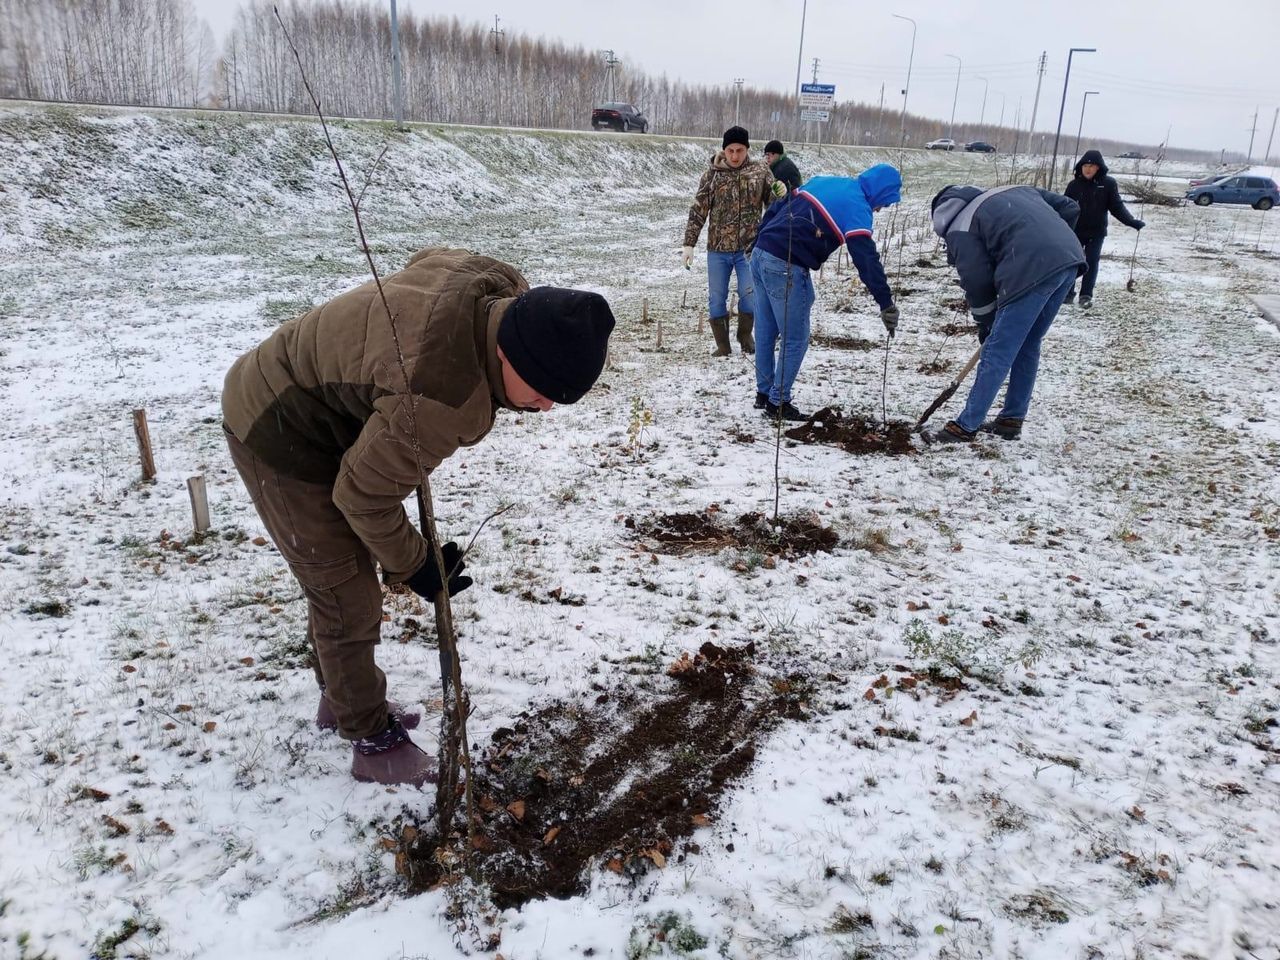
(1260, 193)
(618, 116)
(1208, 178)
(945, 143)
(1132, 155)
(979, 146)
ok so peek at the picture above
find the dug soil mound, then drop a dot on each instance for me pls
(618, 784)
(797, 535)
(842, 343)
(854, 434)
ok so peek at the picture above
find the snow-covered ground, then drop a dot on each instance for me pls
(1104, 784)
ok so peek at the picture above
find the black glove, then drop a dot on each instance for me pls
(1139, 224)
(984, 329)
(425, 582)
(889, 317)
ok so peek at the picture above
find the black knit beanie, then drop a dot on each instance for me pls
(735, 135)
(556, 339)
(774, 146)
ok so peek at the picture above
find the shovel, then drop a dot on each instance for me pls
(948, 393)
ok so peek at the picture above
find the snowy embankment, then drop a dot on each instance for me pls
(1091, 769)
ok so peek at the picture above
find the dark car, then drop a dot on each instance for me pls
(1132, 155)
(1260, 193)
(979, 146)
(618, 116)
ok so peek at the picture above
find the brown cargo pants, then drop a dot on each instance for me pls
(340, 582)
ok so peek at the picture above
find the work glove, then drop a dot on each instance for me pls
(425, 582)
(778, 189)
(686, 256)
(1139, 224)
(889, 317)
(984, 329)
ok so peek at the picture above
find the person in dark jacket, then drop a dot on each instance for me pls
(1097, 195)
(1017, 256)
(782, 166)
(797, 235)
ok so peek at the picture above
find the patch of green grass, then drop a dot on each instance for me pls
(280, 309)
(105, 947)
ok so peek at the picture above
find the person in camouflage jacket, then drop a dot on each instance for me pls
(732, 196)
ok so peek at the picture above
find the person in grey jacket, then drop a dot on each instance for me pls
(1017, 255)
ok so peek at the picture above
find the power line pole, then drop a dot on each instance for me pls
(1274, 117)
(986, 86)
(737, 105)
(880, 115)
(1066, 81)
(816, 61)
(815, 80)
(496, 33)
(1252, 133)
(610, 61)
(1031, 131)
(395, 67)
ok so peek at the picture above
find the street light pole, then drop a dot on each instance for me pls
(986, 86)
(910, 59)
(737, 103)
(804, 10)
(1063, 107)
(1084, 102)
(952, 128)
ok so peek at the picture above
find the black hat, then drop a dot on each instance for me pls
(735, 135)
(556, 340)
(774, 146)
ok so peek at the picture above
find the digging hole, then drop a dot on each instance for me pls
(854, 434)
(798, 535)
(562, 789)
(842, 343)
(957, 329)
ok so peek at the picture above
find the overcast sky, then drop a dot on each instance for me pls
(1197, 68)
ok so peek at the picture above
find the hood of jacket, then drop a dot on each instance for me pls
(882, 185)
(947, 204)
(1092, 156)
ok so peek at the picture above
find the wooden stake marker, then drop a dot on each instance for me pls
(199, 503)
(145, 457)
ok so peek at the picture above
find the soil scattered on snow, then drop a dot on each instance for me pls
(560, 790)
(798, 535)
(842, 343)
(854, 434)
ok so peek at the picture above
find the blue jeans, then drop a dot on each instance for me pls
(781, 314)
(1012, 350)
(719, 267)
(1092, 254)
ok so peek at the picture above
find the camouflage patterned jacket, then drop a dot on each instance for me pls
(734, 200)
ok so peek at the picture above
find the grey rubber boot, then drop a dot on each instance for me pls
(720, 330)
(746, 324)
(392, 759)
(326, 719)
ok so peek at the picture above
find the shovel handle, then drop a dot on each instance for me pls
(952, 387)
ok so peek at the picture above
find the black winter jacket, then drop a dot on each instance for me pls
(784, 169)
(1097, 198)
(1005, 241)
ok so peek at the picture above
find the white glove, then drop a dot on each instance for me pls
(686, 256)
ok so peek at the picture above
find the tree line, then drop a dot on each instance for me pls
(160, 53)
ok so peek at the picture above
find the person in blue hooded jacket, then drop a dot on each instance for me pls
(798, 233)
(1017, 255)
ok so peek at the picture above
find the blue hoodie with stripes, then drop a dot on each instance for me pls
(809, 224)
